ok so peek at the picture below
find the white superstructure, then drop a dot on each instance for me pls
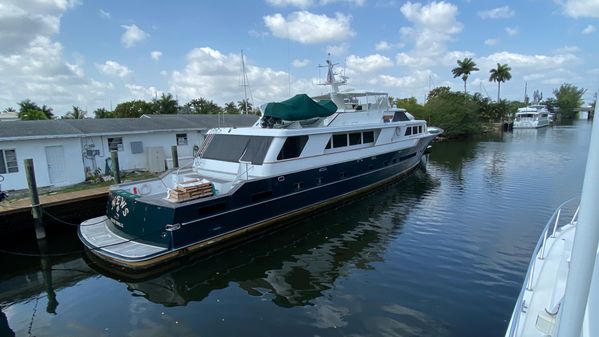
(531, 117)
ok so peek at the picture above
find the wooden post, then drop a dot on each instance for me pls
(175, 156)
(115, 166)
(36, 208)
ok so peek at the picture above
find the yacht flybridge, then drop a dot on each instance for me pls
(302, 154)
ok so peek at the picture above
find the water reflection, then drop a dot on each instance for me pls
(297, 264)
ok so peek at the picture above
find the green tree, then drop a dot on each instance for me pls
(202, 106)
(500, 74)
(457, 113)
(438, 91)
(32, 114)
(76, 113)
(568, 97)
(133, 109)
(231, 108)
(29, 110)
(245, 106)
(47, 111)
(10, 109)
(464, 68)
(103, 113)
(412, 106)
(166, 104)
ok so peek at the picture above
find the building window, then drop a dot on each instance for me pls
(181, 139)
(8, 161)
(115, 144)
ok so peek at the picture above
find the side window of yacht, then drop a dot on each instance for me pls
(408, 131)
(420, 129)
(355, 138)
(340, 140)
(328, 144)
(293, 147)
(368, 137)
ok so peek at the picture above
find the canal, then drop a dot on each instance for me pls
(443, 252)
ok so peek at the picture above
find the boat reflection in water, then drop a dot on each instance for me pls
(296, 264)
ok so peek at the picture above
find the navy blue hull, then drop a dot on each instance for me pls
(263, 201)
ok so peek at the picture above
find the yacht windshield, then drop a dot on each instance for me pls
(235, 148)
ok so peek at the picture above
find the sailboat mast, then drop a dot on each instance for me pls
(245, 85)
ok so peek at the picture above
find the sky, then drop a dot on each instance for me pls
(93, 54)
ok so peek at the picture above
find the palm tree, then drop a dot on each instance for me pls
(77, 113)
(166, 104)
(465, 67)
(500, 74)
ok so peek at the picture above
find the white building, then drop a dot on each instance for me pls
(65, 151)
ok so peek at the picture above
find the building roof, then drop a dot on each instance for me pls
(62, 128)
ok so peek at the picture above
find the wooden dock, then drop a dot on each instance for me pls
(71, 207)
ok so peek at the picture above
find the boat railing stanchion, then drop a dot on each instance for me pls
(542, 257)
(531, 276)
(575, 215)
(559, 211)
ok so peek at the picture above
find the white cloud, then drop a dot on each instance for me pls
(418, 78)
(589, 29)
(295, 3)
(140, 92)
(212, 74)
(21, 22)
(257, 34)
(511, 31)
(368, 64)
(303, 4)
(491, 42)
(382, 45)
(305, 27)
(132, 35)
(104, 14)
(433, 25)
(300, 63)
(580, 8)
(113, 68)
(528, 62)
(504, 12)
(30, 57)
(357, 3)
(338, 50)
(156, 55)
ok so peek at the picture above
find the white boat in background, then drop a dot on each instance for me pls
(531, 117)
(560, 294)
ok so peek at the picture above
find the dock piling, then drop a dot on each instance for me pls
(175, 156)
(36, 208)
(115, 166)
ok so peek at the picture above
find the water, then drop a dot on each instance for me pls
(441, 253)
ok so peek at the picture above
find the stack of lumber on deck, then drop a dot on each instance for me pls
(190, 190)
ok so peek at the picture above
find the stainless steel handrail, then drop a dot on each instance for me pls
(530, 273)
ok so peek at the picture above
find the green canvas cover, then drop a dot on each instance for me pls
(300, 107)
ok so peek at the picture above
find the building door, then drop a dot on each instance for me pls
(56, 164)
